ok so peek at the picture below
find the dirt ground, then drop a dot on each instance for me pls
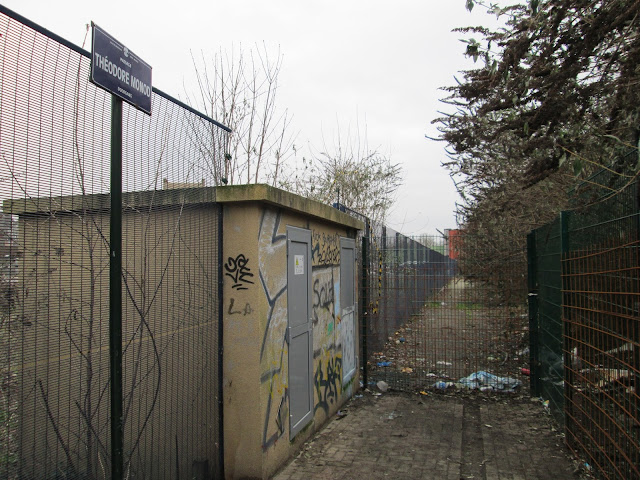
(437, 436)
(453, 336)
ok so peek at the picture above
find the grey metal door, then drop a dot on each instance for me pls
(300, 328)
(348, 307)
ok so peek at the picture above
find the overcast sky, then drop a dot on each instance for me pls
(373, 63)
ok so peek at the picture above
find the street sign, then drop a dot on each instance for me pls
(119, 71)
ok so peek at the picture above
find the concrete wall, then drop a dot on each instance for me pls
(255, 379)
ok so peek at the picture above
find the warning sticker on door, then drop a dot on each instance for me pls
(299, 264)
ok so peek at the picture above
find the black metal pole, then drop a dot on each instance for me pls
(115, 291)
(567, 330)
(636, 325)
(220, 439)
(534, 356)
(365, 310)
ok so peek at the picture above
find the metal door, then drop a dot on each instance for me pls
(348, 307)
(300, 328)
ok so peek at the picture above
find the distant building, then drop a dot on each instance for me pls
(454, 242)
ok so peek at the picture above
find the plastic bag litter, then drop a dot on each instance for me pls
(442, 385)
(487, 381)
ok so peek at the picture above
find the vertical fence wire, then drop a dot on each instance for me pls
(54, 273)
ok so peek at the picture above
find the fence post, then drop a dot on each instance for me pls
(636, 325)
(115, 291)
(383, 284)
(365, 310)
(220, 373)
(532, 278)
(566, 327)
(398, 285)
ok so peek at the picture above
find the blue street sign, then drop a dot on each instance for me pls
(116, 69)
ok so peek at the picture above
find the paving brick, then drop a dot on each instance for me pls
(400, 436)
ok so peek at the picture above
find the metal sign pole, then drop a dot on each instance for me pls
(127, 77)
(115, 291)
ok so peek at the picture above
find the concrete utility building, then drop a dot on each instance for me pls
(267, 276)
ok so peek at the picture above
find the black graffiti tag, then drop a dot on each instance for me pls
(247, 310)
(323, 298)
(325, 249)
(328, 387)
(239, 272)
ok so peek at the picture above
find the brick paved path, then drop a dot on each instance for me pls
(407, 436)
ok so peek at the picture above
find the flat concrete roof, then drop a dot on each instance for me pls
(259, 193)
(274, 196)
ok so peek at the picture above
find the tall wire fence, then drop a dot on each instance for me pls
(587, 286)
(54, 275)
(433, 319)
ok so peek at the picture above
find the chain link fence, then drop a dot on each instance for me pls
(54, 235)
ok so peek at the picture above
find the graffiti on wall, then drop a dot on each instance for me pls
(327, 355)
(323, 295)
(327, 378)
(346, 334)
(325, 307)
(282, 414)
(238, 310)
(272, 259)
(327, 381)
(238, 270)
(325, 248)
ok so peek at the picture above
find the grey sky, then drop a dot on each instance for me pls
(373, 63)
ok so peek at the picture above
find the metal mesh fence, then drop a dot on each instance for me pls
(601, 293)
(433, 321)
(585, 283)
(54, 313)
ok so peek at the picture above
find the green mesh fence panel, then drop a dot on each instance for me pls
(601, 288)
(585, 275)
